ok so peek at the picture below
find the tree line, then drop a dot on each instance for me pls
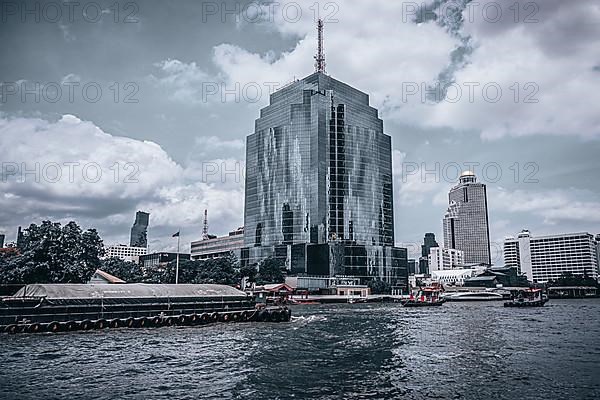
(53, 253)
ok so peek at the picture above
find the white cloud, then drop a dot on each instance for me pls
(185, 82)
(552, 62)
(71, 158)
(558, 205)
(68, 170)
(69, 78)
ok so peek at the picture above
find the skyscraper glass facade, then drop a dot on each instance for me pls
(319, 183)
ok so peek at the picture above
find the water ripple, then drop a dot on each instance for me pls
(359, 351)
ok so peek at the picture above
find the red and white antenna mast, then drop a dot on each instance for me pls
(205, 227)
(320, 56)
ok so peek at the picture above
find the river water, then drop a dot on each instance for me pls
(359, 351)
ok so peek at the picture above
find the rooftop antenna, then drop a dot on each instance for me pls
(205, 227)
(320, 56)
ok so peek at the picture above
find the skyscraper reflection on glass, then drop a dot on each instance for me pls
(319, 184)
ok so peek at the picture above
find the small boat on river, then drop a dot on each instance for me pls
(474, 296)
(426, 297)
(527, 298)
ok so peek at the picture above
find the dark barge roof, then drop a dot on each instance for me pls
(127, 290)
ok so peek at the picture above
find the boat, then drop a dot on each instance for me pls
(474, 296)
(527, 298)
(68, 307)
(426, 297)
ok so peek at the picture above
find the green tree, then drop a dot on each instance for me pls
(51, 253)
(128, 271)
(222, 270)
(379, 287)
(568, 279)
(270, 271)
(249, 272)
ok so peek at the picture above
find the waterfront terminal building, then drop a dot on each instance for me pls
(545, 258)
(319, 190)
(465, 223)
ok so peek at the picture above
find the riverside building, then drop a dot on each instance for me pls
(214, 247)
(444, 259)
(319, 190)
(465, 223)
(545, 258)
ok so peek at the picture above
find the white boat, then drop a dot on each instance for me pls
(473, 296)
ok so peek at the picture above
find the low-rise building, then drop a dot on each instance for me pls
(104, 277)
(362, 291)
(214, 247)
(498, 276)
(124, 252)
(160, 259)
(454, 277)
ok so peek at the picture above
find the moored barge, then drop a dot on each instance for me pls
(68, 307)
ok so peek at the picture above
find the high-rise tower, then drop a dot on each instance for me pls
(139, 230)
(319, 183)
(465, 223)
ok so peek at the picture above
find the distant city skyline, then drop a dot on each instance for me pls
(167, 152)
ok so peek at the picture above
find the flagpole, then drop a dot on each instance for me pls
(177, 264)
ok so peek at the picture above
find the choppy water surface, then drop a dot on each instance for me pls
(360, 351)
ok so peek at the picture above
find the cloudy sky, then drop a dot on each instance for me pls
(112, 107)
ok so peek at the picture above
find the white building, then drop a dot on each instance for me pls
(545, 258)
(455, 277)
(215, 247)
(124, 252)
(443, 259)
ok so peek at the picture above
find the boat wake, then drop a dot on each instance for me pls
(308, 319)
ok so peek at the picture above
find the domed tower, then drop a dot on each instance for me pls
(467, 177)
(465, 223)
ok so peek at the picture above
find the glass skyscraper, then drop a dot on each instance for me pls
(466, 220)
(319, 184)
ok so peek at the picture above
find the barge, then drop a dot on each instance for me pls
(69, 307)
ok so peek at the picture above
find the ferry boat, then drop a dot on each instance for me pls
(68, 307)
(474, 296)
(527, 298)
(426, 297)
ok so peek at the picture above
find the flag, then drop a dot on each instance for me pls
(176, 234)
